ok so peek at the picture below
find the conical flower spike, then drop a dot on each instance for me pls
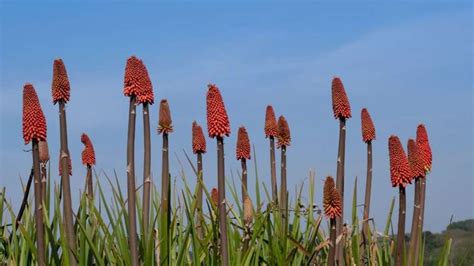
(368, 129)
(243, 144)
(88, 154)
(424, 146)
(284, 137)
(399, 166)
(61, 88)
(137, 81)
(165, 124)
(415, 159)
(271, 126)
(34, 122)
(218, 124)
(199, 142)
(340, 102)
(332, 200)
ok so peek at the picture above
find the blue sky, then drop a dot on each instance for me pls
(407, 63)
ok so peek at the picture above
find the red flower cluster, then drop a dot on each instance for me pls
(60, 88)
(284, 137)
(271, 126)
(424, 146)
(400, 171)
(218, 124)
(340, 102)
(414, 157)
(88, 154)
(243, 144)
(332, 200)
(165, 124)
(69, 165)
(34, 123)
(199, 142)
(137, 82)
(215, 196)
(368, 129)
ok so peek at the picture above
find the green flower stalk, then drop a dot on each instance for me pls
(271, 132)
(242, 152)
(284, 140)
(199, 148)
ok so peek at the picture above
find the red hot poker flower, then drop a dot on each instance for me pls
(34, 122)
(243, 144)
(332, 200)
(340, 102)
(137, 81)
(69, 165)
(284, 137)
(424, 146)
(414, 157)
(88, 154)
(61, 88)
(368, 129)
(165, 124)
(215, 196)
(218, 124)
(399, 166)
(271, 126)
(199, 142)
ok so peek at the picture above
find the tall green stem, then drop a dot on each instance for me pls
(44, 182)
(132, 212)
(67, 204)
(415, 224)
(368, 191)
(340, 187)
(222, 201)
(332, 240)
(90, 189)
(243, 163)
(199, 196)
(273, 171)
(146, 169)
(283, 198)
(38, 205)
(422, 213)
(165, 204)
(401, 227)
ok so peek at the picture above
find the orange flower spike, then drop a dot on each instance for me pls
(400, 171)
(424, 146)
(332, 200)
(415, 160)
(340, 102)
(284, 137)
(165, 125)
(137, 81)
(368, 129)
(34, 122)
(218, 124)
(243, 144)
(199, 142)
(88, 154)
(215, 196)
(271, 126)
(61, 89)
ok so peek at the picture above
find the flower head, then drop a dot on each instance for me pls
(88, 154)
(332, 199)
(69, 165)
(424, 146)
(165, 124)
(137, 81)
(271, 126)
(340, 102)
(400, 171)
(61, 88)
(218, 124)
(43, 151)
(199, 142)
(215, 196)
(243, 144)
(284, 137)
(34, 123)
(368, 129)
(415, 160)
